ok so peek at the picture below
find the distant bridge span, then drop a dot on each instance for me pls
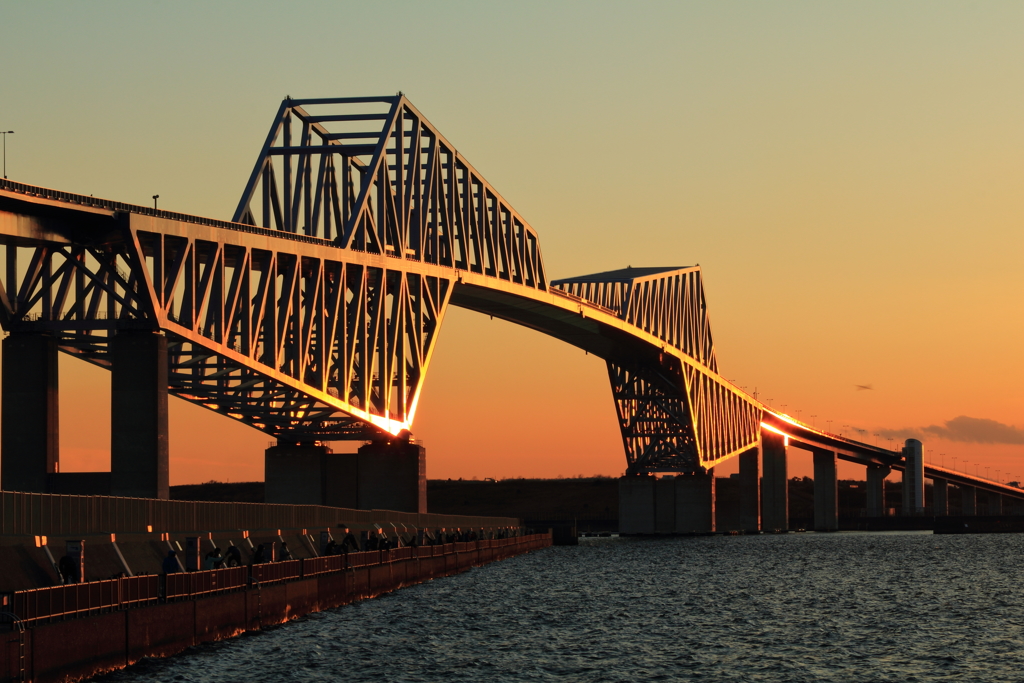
(313, 314)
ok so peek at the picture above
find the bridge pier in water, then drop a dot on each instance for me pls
(30, 432)
(876, 475)
(681, 504)
(382, 475)
(750, 491)
(940, 497)
(774, 482)
(826, 491)
(913, 477)
(969, 496)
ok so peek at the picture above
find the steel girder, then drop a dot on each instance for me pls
(372, 174)
(313, 315)
(673, 417)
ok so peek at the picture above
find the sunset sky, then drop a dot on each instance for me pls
(849, 176)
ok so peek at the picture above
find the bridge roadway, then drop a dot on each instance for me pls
(312, 317)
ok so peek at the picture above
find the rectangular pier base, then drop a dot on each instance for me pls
(684, 504)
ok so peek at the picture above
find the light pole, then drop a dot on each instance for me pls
(5, 133)
(812, 419)
(155, 197)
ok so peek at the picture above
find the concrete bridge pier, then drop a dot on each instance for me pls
(995, 503)
(969, 496)
(913, 477)
(393, 476)
(29, 432)
(750, 491)
(683, 504)
(380, 476)
(876, 489)
(695, 503)
(940, 497)
(298, 474)
(774, 482)
(636, 504)
(826, 491)
(138, 415)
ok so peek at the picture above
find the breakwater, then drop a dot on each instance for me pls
(66, 633)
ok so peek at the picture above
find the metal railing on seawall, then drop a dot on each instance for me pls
(43, 605)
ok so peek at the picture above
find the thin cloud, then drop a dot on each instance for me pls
(962, 429)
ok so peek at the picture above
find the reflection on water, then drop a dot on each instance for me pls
(799, 607)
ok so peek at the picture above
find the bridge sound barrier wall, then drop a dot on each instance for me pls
(43, 514)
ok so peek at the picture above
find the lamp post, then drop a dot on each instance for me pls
(5, 133)
(155, 197)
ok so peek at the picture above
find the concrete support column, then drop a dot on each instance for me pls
(29, 432)
(826, 492)
(940, 497)
(876, 490)
(995, 503)
(138, 415)
(913, 477)
(774, 482)
(295, 474)
(636, 505)
(393, 476)
(695, 502)
(750, 491)
(969, 496)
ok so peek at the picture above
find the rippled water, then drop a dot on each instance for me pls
(798, 607)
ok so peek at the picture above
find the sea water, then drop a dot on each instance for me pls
(860, 606)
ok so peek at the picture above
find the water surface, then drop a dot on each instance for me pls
(800, 607)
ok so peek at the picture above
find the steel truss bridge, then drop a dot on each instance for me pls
(312, 314)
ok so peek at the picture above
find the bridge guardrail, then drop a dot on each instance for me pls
(314, 566)
(56, 602)
(37, 605)
(276, 571)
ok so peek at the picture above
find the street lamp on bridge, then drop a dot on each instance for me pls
(5, 133)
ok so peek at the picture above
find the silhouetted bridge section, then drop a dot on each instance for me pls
(312, 316)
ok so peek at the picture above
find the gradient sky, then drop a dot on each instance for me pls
(850, 177)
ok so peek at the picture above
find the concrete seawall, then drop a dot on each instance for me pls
(67, 633)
